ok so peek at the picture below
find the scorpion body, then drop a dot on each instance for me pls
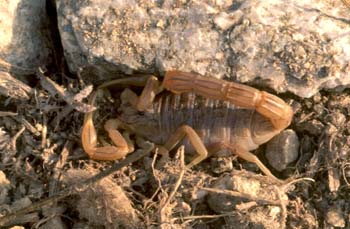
(214, 120)
(213, 114)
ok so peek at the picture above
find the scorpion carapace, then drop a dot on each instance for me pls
(212, 113)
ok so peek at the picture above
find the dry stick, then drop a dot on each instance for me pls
(27, 125)
(73, 100)
(149, 202)
(192, 217)
(44, 132)
(179, 180)
(16, 136)
(7, 113)
(70, 190)
(242, 195)
(57, 170)
(283, 207)
(344, 167)
(163, 209)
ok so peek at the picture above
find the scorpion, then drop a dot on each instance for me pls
(213, 114)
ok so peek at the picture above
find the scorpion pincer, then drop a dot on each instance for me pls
(213, 114)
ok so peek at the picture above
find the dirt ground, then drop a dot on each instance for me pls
(41, 155)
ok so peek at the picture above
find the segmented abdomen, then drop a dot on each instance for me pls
(213, 120)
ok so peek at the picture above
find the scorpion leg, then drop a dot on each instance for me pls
(202, 152)
(195, 140)
(248, 156)
(123, 144)
(242, 153)
(151, 89)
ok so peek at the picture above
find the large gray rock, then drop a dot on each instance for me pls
(297, 46)
(25, 43)
(142, 35)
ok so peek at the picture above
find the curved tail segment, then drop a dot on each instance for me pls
(268, 105)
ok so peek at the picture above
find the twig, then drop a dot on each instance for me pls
(64, 113)
(10, 146)
(283, 207)
(59, 166)
(7, 113)
(7, 67)
(154, 170)
(16, 136)
(192, 217)
(14, 88)
(245, 206)
(44, 132)
(28, 125)
(148, 203)
(242, 195)
(73, 100)
(179, 180)
(164, 210)
(287, 185)
(70, 190)
(344, 167)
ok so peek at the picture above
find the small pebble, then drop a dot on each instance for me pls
(313, 127)
(317, 97)
(319, 109)
(224, 21)
(246, 189)
(337, 119)
(330, 129)
(335, 217)
(221, 164)
(282, 149)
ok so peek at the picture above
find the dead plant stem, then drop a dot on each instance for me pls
(11, 217)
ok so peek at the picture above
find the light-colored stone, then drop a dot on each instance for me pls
(335, 217)
(25, 43)
(104, 202)
(239, 193)
(248, 187)
(142, 35)
(297, 46)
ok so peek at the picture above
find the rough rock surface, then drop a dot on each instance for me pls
(300, 49)
(143, 35)
(250, 186)
(25, 43)
(241, 189)
(105, 203)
